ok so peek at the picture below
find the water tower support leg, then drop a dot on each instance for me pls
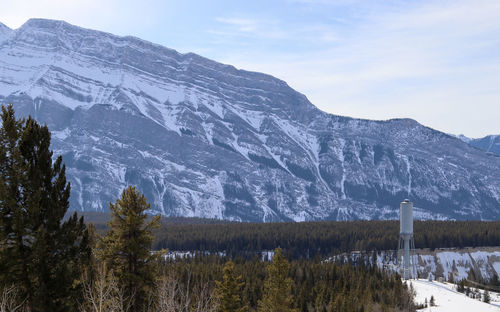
(406, 261)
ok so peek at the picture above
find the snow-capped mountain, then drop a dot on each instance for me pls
(201, 138)
(490, 143)
(464, 138)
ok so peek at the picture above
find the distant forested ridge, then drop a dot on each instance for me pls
(309, 239)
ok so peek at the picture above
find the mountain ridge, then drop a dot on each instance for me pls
(489, 143)
(205, 139)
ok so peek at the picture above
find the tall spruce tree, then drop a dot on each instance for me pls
(126, 248)
(229, 290)
(40, 253)
(13, 252)
(277, 286)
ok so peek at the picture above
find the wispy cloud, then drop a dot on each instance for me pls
(255, 27)
(241, 24)
(287, 34)
(437, 62)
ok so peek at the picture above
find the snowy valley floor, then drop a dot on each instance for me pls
(448, 299)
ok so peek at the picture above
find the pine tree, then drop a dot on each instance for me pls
(40, 253)
(13, 252)
(432, 302)
(126, 247)
(494, 280)
(277, 286)
(461, 286)
(229, 290)
(486, 296)
(471, 276)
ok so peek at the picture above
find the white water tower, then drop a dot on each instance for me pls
(406, 245)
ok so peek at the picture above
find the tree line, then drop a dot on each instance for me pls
(52, 263)
(323, 238)
(310, 239)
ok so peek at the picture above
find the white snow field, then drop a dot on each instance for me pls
(447, 299)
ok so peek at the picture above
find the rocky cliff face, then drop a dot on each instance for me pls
(201, 138)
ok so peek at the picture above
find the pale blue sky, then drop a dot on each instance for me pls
(434, 61)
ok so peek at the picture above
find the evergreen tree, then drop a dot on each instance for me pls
(494, 280)
(486, 296)
(277, 286)
(471, 276)
(127, 246)
(461, 286)
(40, 253)
(13, 251)
(229, 290)
(432, 302)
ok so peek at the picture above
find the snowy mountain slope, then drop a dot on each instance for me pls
(463, 138)
(4, 32)
(490, 143)
(201, 138)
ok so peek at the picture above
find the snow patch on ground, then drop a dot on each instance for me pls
(496, 266)
(447, 299)
(463, 263)
(267, 255)
(458, 263)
